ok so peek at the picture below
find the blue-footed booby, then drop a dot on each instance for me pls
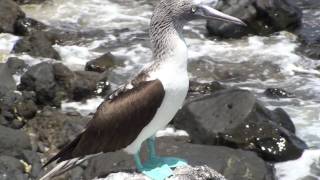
(137, 110)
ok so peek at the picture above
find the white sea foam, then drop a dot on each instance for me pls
(84, 108)
(298, 169)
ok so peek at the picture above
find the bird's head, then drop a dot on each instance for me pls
(183, 11)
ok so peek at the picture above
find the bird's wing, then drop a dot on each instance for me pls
(117, 121)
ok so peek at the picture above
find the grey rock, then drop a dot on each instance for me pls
(232, 164)
(29, 1)
(10, 12)
(278, 93)
(103, 63)
(263, 17)
(36, 44)
(7, 82)
(234, 118)
(11, 169)
(16, 65)
(13, 141)
(40, 79)
(308, 31)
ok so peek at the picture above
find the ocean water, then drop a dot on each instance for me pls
(253, 63)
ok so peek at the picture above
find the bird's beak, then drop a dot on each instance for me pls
(210, 13)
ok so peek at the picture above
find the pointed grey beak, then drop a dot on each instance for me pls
(210, 13)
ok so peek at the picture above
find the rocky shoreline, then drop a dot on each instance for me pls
(230, 131)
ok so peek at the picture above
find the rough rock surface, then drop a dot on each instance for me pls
(102, 63)
(6, 79)
(36, 44)
(13, 141)
(308, 31)
(55, 129)
(53, 83)
(234, 118)
(11, 169)
(263, 17)
(10, 12)
(180, 173)
(231, 163)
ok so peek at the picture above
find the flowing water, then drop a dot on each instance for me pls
(253, 62)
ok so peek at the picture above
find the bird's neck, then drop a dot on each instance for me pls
(167, 41)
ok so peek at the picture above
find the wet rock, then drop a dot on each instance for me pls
(16, 65)
(36, 44)
(196, 88)
(262, 17)
(278, 93)
(308, 31)
(10, 12)
(7, 82)
(29, 1)
(81, 84)
(102, 63)
(11, 169)
(231, 163)
(12, 142)
(40, 79)
(234, 118)
(25, 26)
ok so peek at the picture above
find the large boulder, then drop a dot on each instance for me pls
(40, 79)
(53, 83)
(12, 142)
(263, 17)
(37, 44)
(7, 82)
(104, 62)
(308, 31)
(11, 169)
(10, 12)
(231, 163)
(234, 118)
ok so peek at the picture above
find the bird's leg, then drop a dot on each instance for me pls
(152, 154)
(154, 159)
(154, 171)
(137, 161)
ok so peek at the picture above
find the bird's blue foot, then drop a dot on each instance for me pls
(154, 170)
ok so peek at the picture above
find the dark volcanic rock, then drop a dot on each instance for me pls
(102, 63)
(40, 79)
(29, 1)
(36, 44)
(26, 26)
(263, 17)
(33, 159)
(236, 119)
(11, 169)
(278, 93)
(196, 88)
(10, 12)
(7, 82)
(81, 84)
(308, 32)
(12, 142)
(16, 65)
(233, 164)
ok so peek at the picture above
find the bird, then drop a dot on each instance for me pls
(135, 111)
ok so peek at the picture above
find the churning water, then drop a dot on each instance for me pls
(253, 62)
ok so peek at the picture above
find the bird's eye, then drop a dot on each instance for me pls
(194, 9)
